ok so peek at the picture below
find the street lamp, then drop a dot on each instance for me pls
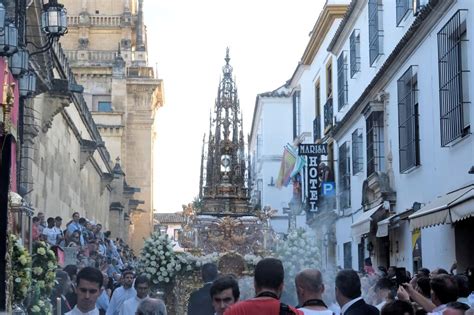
(8, 39)
(3, 13)
(19, 62)
(54, 18)
(53, 24)
(27, 84)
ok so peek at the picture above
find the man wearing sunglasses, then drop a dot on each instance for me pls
(89, 283)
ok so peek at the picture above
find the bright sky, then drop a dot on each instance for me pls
(187, 40)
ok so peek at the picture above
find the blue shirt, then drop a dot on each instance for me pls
(73, 227)
(120, 295)
(103, 301)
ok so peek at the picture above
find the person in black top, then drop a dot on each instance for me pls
(200, 302)
(348, 295)
(224, 292)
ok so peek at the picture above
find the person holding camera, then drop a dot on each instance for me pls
(444, 290)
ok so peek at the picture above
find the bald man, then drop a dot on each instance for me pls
(309, 289)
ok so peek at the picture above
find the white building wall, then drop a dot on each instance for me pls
(442, 169)
(310, 75)
(271, 135)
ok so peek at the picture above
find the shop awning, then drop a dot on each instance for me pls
(382, 226)
(391, 221)
(362, 225)
(450, 208)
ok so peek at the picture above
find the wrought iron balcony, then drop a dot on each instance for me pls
(328, 114)
(317, 128)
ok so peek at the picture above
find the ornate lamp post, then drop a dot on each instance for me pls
(3, 13)
(19, 62)
(53, 24)
(27, 84)
(54, 18)
(8, 37)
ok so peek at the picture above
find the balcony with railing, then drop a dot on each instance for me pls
(96, 20)
(317, 128)
(91, 57)
(328, 115)
(140, 72)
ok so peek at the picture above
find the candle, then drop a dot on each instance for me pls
(58, 305)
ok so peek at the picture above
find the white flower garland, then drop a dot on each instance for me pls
(297, 252)
(160, 263)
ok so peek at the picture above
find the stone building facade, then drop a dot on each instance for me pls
(64, 165)
(106, 46)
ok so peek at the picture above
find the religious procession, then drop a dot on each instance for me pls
(349, 191)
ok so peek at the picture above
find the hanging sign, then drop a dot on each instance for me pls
(313, 154)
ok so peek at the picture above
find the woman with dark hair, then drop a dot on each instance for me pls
(398, 307)
(368, 269)
(75, 239)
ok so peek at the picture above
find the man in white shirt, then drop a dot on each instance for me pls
(142, 286)
(89, 287)
(50, 233)
(123, 293)
(309, 289)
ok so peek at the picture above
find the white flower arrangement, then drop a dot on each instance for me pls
(44, 266)
(297, 252)
(192, 262)
(158, 261)
(21, 269)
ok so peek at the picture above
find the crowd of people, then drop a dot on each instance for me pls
(92, 249)
(381, 291)
(92, 294)
(103, 281)
(92, 246)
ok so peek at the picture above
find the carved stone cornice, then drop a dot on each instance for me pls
(83, 43)
(374, 106)
(88, 148)
(53, 104)
(105, 180)
(133, 204)
(30, 131)
(116, 206)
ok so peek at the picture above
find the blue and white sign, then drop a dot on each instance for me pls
(328, 189)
